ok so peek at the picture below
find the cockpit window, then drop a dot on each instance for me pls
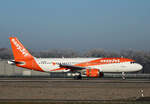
(132, 62)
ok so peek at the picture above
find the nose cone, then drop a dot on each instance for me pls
(139, 67)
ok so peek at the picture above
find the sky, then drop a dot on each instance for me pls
(76, 24)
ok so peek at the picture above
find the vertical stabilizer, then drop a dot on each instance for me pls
(19, 51)
(22, 57)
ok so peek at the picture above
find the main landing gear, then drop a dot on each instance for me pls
(77, 76)
(123, 75)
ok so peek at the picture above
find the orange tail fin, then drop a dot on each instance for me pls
(19, 51)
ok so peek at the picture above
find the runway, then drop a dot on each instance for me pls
(57, 89)
(70, 80)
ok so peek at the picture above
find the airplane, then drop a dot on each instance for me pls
(75, 67)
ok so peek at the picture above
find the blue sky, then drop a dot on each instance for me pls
(76, 24)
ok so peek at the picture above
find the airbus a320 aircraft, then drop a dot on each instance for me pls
(77, 67)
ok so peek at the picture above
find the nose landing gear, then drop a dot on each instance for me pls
(123, 75)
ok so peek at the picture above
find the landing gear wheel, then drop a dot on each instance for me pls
(123, 76)
(77, 77)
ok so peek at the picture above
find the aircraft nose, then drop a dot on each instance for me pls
(139, 66)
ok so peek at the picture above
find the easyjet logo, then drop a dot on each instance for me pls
(111, 61)
(21, 49)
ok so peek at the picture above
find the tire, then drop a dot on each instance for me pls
(78, 77)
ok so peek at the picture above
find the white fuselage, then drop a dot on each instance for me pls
(50, 64)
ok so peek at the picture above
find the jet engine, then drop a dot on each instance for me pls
(93, 73)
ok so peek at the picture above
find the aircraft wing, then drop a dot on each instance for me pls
(72, 67)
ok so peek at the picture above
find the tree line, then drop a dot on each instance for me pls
(142, 57)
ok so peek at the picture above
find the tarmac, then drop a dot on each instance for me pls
(62, 89)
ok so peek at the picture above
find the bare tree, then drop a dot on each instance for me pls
(5, 53)
(96, 53)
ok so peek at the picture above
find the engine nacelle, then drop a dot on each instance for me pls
(93, 73)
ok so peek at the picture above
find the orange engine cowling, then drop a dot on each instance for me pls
(94, 73)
